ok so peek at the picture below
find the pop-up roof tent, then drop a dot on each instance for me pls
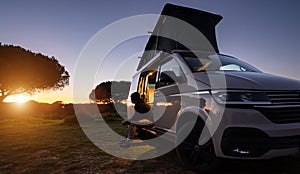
(167, 25)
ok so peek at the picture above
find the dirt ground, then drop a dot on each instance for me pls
(34, 145)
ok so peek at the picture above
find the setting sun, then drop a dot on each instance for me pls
(17, 98)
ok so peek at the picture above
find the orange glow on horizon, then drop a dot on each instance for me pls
(19, 98)
(65, 96)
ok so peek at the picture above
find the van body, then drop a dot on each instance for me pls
(258, 114)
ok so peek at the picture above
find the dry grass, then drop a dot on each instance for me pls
(35, 145)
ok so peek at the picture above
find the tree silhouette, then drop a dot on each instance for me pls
(22, 71)
(102, 93)
(110, 91)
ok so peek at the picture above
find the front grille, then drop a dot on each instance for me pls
(281, 114)
(284, 97)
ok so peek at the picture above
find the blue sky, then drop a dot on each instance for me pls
(262, 33)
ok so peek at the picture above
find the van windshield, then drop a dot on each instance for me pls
(216, 62)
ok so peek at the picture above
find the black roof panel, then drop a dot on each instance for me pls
(203, 21)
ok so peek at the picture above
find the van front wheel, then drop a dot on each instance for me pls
(189, 152)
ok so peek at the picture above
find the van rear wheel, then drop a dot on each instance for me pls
(189, 152)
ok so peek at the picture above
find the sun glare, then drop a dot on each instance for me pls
(17, 98)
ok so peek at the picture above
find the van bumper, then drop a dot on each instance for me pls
(248, 134)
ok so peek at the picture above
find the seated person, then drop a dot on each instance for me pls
(142, 116)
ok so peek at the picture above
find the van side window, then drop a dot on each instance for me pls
(170, 73)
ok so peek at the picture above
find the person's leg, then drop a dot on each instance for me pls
(127, 132)
(125, 143)
(131, 131)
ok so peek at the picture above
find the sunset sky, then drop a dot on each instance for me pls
(262, 33)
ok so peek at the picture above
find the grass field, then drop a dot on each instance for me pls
(36, 145)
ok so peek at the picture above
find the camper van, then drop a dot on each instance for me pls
(258, 114)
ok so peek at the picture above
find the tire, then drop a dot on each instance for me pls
(190, 153)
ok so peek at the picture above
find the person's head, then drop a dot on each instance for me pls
(135, 97)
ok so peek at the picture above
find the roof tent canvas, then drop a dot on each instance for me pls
(203, 21)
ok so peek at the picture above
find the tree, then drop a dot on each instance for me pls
(110, 91)
(22, 71)
(102, 93)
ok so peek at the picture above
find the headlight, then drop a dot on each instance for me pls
(240, 97)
